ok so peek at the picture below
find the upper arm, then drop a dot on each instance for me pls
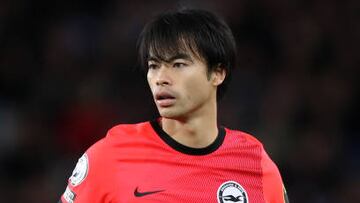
(84, 181)
(273, 187)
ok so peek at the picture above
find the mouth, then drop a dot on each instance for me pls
(164, 99)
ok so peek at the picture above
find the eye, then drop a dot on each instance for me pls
(179, 65)
(153, 66)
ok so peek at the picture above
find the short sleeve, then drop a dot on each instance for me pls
(273, 187)
(84, 184)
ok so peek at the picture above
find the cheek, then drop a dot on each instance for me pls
(197, 88)
(149, 81)
(148, 77)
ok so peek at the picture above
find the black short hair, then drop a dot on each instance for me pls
(200, 31)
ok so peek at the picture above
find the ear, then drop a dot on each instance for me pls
(218, 75)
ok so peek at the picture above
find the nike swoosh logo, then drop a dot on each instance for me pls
(141, 194)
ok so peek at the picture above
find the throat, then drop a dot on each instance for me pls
(190, 134)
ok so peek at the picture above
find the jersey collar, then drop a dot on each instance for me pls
(185, 149)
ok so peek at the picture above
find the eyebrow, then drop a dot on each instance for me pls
(177, 56)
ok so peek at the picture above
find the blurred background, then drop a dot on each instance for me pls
(68, 73)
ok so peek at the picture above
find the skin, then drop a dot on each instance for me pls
(185, 96)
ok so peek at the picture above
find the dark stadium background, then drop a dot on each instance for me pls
(68, 72)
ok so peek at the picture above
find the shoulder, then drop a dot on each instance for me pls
(128, 129)
(271, 179)
(245, 148)
(243, 138)
(247, 139)
(118, 134)
(267, 164)
(96, 165)
(100, 152)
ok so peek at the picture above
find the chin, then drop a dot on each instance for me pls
(167, 113)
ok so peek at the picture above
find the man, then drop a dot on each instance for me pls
(183, 156)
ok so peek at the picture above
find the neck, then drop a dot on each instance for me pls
(195, 131)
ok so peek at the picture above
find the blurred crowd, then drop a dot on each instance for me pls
(69, 72)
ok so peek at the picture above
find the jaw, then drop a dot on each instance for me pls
(182, 112)
(168, 112)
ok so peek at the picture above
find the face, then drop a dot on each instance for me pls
(181, 85)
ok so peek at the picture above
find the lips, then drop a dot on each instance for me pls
(164, 98)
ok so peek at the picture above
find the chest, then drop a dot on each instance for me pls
(162, 176)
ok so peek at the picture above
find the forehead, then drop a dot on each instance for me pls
(168, 47)
(170, 54)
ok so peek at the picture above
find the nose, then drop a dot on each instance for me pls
(163, 77)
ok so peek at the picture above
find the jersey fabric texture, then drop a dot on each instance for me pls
(141, 163)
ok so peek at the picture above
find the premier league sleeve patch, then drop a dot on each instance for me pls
(69, 195)
(80, 171)
(232, 191)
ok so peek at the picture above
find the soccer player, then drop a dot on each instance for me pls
(183, 156)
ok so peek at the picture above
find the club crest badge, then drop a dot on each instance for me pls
(232, 191)
(80, 171)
